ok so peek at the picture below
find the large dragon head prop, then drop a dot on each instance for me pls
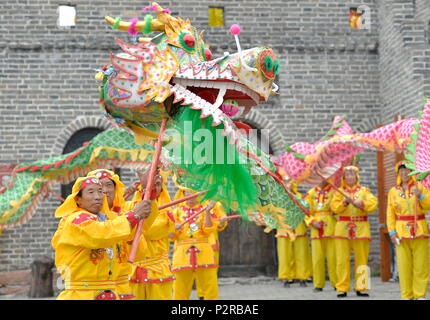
(171, 75)
(152, 78)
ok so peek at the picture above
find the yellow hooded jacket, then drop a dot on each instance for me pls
(152, 263)
(119, 208)
(357, 227)
(87, 252)
(401, 210)
(319, 209)
(193, 249)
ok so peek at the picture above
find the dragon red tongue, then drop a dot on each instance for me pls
(207, 95)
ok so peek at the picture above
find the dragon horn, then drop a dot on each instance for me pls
(157, 24)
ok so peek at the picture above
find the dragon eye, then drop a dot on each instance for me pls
(268, 63)
(187, 41)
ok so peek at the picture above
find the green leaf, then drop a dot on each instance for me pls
(299, 155)
(411, 166)
(331, 132)
(410, 157)
(411, 148)
(417, 126)
(413, 173)
(422, 175)
(420, 114)
(356, 160)
(414, 137)
(289, 149)
(338, 125)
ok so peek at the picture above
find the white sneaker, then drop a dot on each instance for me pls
(422, 298)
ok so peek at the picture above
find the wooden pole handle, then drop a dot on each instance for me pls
(148, 189)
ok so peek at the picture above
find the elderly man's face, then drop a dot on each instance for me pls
(91, 198)
(350, 177)
(108, 187)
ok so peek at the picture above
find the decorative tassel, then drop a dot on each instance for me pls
(132, 29)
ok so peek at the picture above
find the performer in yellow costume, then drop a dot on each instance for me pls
(151, 276)
(193, 256)
(113, 188)
(352, 232)
(322, 224)
(219, 214)
(407, 204)
(87, 239)
(294, 256)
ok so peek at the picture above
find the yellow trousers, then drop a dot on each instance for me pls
(323, 250)
(199, 289)
(207, 279)
(294, 258)
(412, 261)
(152, 291)
(343, 264)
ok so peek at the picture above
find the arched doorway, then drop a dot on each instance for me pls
(245, 249)
(76, 141)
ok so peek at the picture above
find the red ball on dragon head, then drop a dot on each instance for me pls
(189, 40)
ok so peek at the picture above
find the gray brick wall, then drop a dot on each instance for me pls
(47, 78)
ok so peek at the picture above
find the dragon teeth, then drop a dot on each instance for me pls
(218, 85)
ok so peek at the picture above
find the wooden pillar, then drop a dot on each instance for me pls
(386, 162)
(41, 278)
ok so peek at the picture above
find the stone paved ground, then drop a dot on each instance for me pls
(267, 288)
(272, 289)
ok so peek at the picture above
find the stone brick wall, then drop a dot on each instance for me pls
(47, 86)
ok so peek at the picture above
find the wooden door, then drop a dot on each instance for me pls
(245, 249)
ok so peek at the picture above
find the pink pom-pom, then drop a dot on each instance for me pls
(235, 29)
(132, 28)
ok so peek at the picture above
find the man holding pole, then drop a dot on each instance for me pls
(86, 240)
(113, 188)
(151, 277)
(407, 204)
(351, 204)
(193, 256)
(294, 258)
(221, 218)
(322, 224)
